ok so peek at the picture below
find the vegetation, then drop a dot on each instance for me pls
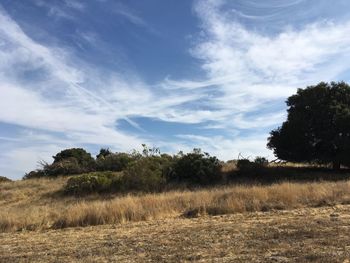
(300, 235)
(38, 203)
(97, 182)
(317, 128)
(317, 131)
(4, 179)
(196, 168)
(148, 171)
(146, 174)
(114, 161)
(249, 168)
(80, 155)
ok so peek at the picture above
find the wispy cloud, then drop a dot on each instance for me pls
(128, 14)
(59, 100)
(49, 89)
(64, 10)
(252, 72)
(131, 16)
(75, 4)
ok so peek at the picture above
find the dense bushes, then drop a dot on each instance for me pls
(81, 156)
(78, 161)
(248, 168)
(145, 171)
(113, 161)
(4, 179)
(67, 166)
(97, 182)
(149, 173)
(66, 162)
(146, 174)
(195, 168)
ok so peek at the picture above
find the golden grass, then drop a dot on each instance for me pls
(35, 204)
(301, 235)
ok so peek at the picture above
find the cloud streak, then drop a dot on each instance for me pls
(58, 100)
(57, 96)
(253, 71)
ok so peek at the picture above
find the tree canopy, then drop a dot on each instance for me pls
(317, 128)
(81, 156)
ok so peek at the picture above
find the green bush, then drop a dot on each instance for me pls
(196, 168)
(261, 161)
(147, 174)
(113, 162)
(83, 158)
(34, 174)
(66, 167)
(4, 179)
(247, 168)
(66, 162)
(97, 182)
(103, 153)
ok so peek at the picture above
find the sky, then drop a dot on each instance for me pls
(178, 75)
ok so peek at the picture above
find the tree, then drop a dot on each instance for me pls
(82, 157)
(103, 153)
(317, 128)
(195, 168)
(4, 179)
(113, 162)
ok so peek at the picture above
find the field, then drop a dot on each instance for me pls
(300, 235)
(281, 222)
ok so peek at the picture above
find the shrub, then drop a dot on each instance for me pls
(113, 162)
(34, 174)
(147, 174)
(82, 157)
(196, 168)
(4, 179)
(66, 162)
(261, 161)
(66, 167)
(256, 168)
(244, 164)
(93, 183)
(103, 153)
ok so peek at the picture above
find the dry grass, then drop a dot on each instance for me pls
(300, 235)
(36, 204)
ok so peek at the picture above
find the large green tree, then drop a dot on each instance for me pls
(317, 128)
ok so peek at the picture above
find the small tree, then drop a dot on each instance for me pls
(82, 157)
(4, 179)
(114, 162)
(103, 153)
(146, 174)
(317, 128)
(196, 168)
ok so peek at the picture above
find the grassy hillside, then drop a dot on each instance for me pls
(39, 204)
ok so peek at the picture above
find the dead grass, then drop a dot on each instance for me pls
(37, 203)
(300, 235)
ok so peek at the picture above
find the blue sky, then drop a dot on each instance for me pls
(171, 74)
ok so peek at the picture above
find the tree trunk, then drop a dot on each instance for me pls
(336, 165)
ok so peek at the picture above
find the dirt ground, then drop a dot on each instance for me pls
(302, 235)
